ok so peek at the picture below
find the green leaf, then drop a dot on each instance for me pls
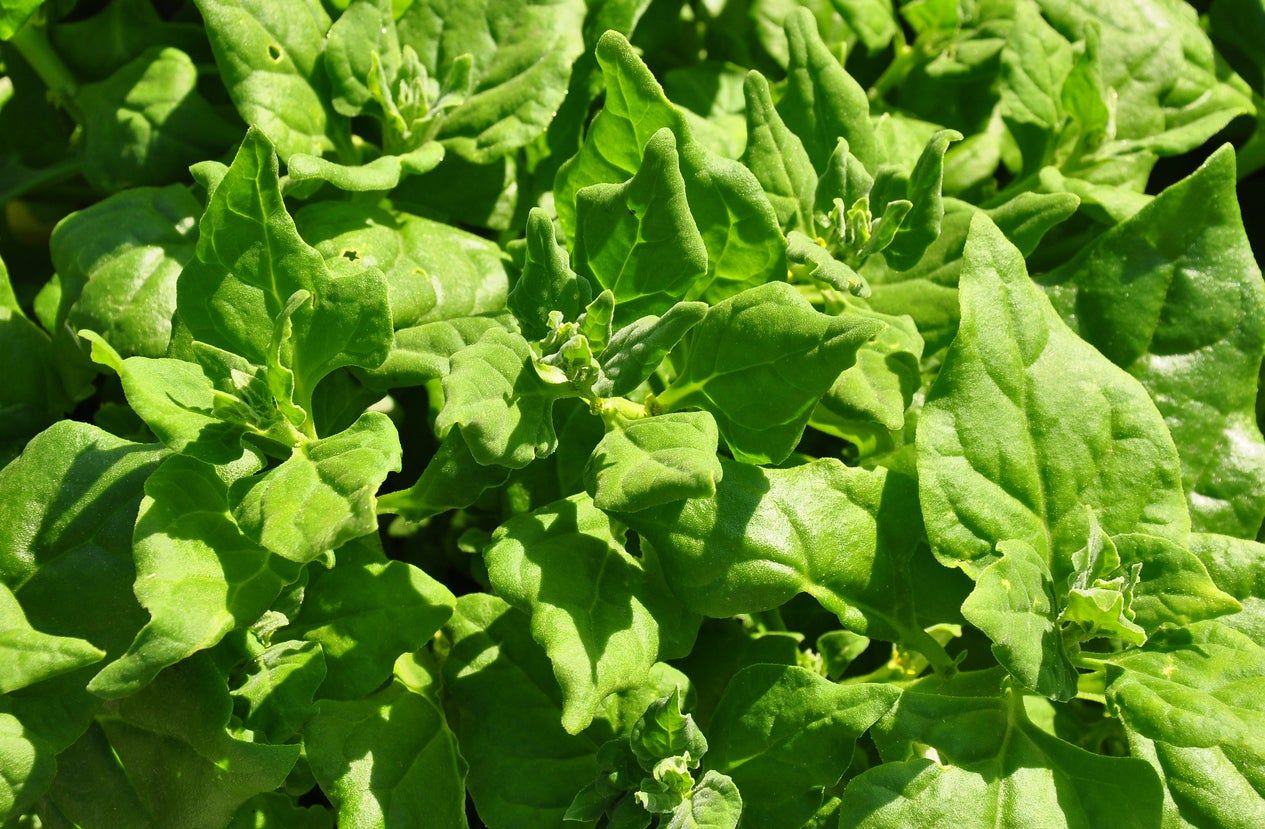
(118, 261)
(879, 387)
(251, 262)
(990, 766)
(872, 20)
(322, 496)
(602, 616)
(91, 786)
(197, 574)
(388, 760)
(921, 226)
(13, 15)
(364, 613)
(637, 349)
(1026, 425)
(382, 174)
(809, 258)
(28, 656)
(146, 123)
(180, 404)
(172, 740)
(726, 646)
(1014, 603)
(740, 359)
(1171, 91)
(1193, 333)
(822, 102)
(277, 694)
(842, 535)
(928, 291)
(435, 272)
(500, 684)
(269, 55)
(1190, 702)
(274, 809)
(547, 282)
(777, 158)
(738, 225)
(424, 352)
(503, 407)
(66, 553)
(362, 49)
(27, 767)
(653, 461)
(638, 238)
(452, 479)
(1175, 588)
(42, 381)
(786, 735)
(523, 53)
(664, 730)
(713, 804)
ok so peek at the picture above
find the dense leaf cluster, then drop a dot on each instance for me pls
(630, 413)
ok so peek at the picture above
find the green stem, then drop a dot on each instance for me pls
(32, 44)
(62, 170)
(769, 619)
(926, 644)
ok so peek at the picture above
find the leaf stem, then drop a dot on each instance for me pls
(31, 42)
(927, 645)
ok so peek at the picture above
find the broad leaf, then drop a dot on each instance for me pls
(1174, 297)
(118, 262)
(842, 535)
(990, 766)
(653, 461)
(502, 405)
(1026, 425)
(740, 360)
(603, 616)
(197, 574)
(638, 238)
(269, 54)
(251, 266)
(364, 613)
(322, 496)
(785, 735)
(28, 656)
(412, 773)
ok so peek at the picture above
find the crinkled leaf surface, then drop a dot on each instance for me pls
(1174, 296)
(785, 734)
(1027, 424)
(741, 358)
(603, 616)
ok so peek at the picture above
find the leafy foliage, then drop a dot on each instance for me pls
(628, 414)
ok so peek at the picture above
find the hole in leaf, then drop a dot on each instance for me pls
(351, 255)
(274, 52)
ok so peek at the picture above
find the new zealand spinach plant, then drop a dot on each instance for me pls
(631, 413)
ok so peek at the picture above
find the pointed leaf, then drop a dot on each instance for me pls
(197, 575)
(322, 496)
(364, 613)
(1026, 425)
(547, 282)
(637, 349)
(1014, 603)
(502, 406)
(1193, 333)
(653, 461)
(638, 238)
(740, 359)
